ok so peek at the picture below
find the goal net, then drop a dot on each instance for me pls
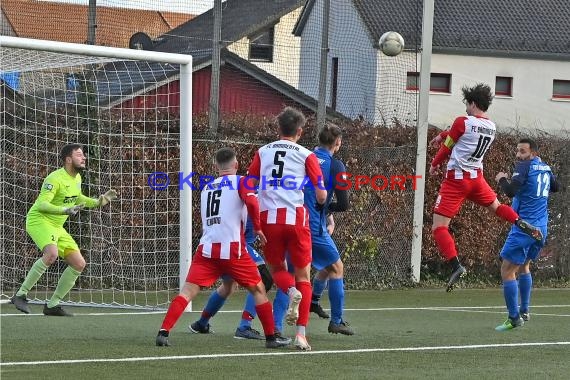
(131, 246)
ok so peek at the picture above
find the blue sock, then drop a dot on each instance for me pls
(318, 289)
(336, 297)
(511, 293)
(525, 287)
(214, 304)
(248, 312)
(280, 304)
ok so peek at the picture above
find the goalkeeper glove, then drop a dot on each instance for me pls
(72, 211)
(107, 197)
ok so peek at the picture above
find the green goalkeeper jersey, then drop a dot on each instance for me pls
(59, 190)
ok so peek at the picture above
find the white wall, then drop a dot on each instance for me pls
(394, 104)
(286, 50)
(310, 56)
(530, 107)
(350, 43)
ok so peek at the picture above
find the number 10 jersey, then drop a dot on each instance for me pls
(476, 134)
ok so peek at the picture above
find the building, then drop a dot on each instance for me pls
(66, 22)
(520, 47)
(253, 78)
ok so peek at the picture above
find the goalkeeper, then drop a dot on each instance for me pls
(60, 197)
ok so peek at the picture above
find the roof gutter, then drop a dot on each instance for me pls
(502, 53)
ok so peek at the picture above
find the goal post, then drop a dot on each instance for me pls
(421, 154)
(39, 117)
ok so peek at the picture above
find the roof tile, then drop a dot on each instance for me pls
(505, 25)
(68, 22)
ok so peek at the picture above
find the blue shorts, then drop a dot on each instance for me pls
(325, 252)
(519, 247)
(257, 258)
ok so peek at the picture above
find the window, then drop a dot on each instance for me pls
(504, 86)
(413, 81)
(334, 81)
(261, 46)
(561, 89)
(438, 82)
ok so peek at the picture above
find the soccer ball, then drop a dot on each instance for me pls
(391, 43)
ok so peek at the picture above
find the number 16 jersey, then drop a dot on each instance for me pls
(223, 214)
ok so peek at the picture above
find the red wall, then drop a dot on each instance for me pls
(238, 93)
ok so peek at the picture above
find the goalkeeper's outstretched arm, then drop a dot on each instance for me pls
(99, 202)
(47, 207)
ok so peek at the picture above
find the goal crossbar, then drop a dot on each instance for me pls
(94, 50)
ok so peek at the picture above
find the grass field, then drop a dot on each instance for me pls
(418, 333)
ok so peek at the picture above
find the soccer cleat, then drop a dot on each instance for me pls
(21, 303)
(525, 316)
(340, 328)
(56, 311)
(295, 297)
(318, 309)
(529, 229)
(162, 339)
(197, 328)
(301, 343)
(277, 342)
(510, 324)
(248, 333)
(278, 334)
(455, 277)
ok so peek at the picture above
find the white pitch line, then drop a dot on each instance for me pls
(502, 312)
(242, 355)
(86, 314)
(430, 308)
(445, 307)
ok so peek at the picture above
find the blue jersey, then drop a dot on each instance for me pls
(531, 199)
(249, 235)
(250, 238)
(331, 168)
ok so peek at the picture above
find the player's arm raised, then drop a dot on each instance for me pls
(438, 139)
(103, 199)
(254, 169)
(456, 131)
(246, 190)
(520, 175)
(315, 174)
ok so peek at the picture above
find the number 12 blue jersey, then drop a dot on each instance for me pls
(531, 200)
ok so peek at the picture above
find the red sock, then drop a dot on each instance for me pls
(445, 243)
(265, 314)
(246, 316)
(507, 213)
(175, 310)
(305, 306)
(284, 280)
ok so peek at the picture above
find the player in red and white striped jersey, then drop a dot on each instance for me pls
(466, 144)
(225, 204)
(283, 167)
